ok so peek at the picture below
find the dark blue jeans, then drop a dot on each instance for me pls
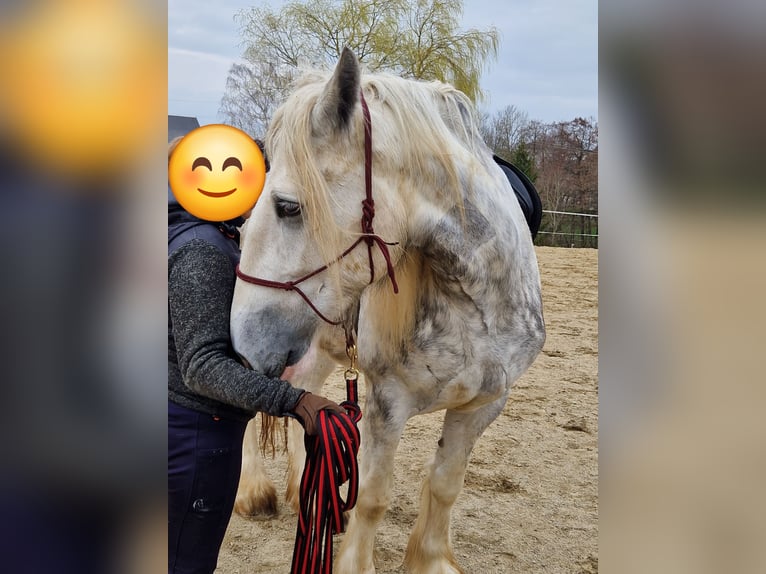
(204, 462)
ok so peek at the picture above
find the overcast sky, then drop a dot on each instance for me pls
(547, 65)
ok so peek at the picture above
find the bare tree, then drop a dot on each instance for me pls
(252, 95)
(506, 130)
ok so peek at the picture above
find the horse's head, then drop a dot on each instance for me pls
(437, 194)
(311, 212)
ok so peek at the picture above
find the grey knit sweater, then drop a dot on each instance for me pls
(203, 373)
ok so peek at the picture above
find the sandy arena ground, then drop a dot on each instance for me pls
(530, 499)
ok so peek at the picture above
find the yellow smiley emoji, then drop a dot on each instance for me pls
(217, 172)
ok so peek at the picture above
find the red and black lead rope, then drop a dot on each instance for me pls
(330, 462)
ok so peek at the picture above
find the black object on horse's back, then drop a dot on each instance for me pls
(525, 191)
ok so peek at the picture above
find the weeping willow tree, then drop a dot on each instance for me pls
(420, 39)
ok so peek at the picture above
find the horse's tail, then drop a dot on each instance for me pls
(271, 433)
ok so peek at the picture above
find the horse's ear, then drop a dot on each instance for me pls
(336, 104)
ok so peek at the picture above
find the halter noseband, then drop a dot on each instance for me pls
(368, 234)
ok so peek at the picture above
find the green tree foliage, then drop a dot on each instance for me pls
(432, 47)
(522, 159)
(418, 39)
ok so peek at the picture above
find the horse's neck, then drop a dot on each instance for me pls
(476, 262)
(468, 274)
(431, 309)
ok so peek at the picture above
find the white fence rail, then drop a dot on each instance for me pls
(562, 231)
(571, 213)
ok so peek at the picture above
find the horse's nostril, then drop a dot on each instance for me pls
(244, 362)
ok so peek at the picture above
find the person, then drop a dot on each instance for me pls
(211, 395)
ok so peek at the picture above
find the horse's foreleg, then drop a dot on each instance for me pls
(256, 495)
(381, 431)
(429, 550)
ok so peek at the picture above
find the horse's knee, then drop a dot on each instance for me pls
(445, 491)
(371, 508)
(445, 480)
(371, 512)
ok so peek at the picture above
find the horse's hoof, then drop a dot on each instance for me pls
(343, 567)
(260, 505)
(446, 565)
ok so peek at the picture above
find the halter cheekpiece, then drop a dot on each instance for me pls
(368, 234)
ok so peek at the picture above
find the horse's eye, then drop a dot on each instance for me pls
(287, 208)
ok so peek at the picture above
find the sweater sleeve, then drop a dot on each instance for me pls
(200, 288)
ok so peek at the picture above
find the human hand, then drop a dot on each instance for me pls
(308, 407)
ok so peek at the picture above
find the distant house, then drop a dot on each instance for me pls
(180, 126)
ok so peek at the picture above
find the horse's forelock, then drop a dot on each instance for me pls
(290, 140)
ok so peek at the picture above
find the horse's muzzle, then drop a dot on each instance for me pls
(267, 340)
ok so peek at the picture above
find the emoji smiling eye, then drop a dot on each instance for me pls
(202, 161)
(232, 161)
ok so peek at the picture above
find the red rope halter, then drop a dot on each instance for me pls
(368, 234)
